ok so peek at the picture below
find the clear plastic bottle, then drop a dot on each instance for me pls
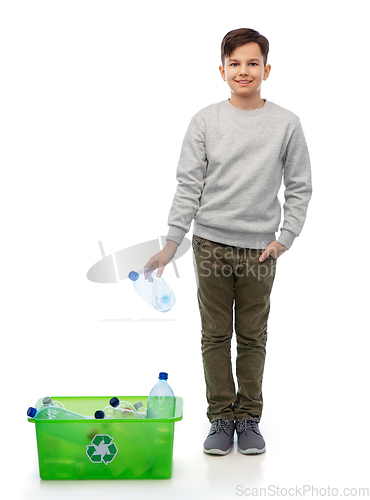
(140, 408)
(124, 409)
(161, 400)
(157, 292)
(107, 412)
(53, 413)
(42, 402)
(119, 409)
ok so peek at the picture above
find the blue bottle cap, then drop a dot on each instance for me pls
(99, 414)
(133, 275)
(163, 376)
(114, 402)
(31, 412)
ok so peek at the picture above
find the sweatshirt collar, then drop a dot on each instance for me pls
(242, 112)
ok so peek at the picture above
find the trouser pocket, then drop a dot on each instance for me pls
(197, 242)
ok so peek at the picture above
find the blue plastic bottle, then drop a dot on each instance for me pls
(157, 293)
(53, 413)
(161, 400)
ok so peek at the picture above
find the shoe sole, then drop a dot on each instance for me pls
(215, 451)
(252, 451)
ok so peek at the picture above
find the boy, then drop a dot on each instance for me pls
(234, 156)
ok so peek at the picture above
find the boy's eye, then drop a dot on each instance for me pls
(232, 64)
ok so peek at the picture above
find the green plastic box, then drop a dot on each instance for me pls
(108, 448)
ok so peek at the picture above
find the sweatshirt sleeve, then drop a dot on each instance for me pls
(298, 186)
(190, 174)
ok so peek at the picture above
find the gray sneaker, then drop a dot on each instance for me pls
(220, 437)
(250, 440)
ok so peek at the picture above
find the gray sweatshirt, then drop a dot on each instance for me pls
(230, 170)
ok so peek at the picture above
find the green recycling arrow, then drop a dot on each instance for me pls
(97, 439)
(101, 449)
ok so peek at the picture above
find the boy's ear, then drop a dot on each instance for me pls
(222, 71)
(266, 72)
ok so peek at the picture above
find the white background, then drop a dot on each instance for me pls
(95, 101)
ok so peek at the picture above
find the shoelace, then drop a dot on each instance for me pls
(220, 425)
(243, 425)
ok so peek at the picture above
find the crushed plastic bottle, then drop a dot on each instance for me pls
(157, 292)
(161, 400)
(53, 413)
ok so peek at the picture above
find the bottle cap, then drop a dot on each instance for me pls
(31, 412)
(99, 414)
(114, 402)
(133, 275)
(47, 401)
(163, 376)
(138, 405)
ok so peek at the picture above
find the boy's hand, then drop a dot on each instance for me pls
(275, 249)
(160, 260)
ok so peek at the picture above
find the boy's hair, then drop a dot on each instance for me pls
(235, 38)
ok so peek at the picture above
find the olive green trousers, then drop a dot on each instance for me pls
(232, 279)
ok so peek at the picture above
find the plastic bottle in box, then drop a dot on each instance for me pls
(42, 402)
(124, 409)
(53, 413)
(140, 408)
(107, 412)
(161, 400)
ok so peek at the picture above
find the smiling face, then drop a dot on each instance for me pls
(244, 72)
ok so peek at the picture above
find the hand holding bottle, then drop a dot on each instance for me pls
(160, 260)
(156, 292)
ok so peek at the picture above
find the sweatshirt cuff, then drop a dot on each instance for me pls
(175, 234)
(286, 238)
